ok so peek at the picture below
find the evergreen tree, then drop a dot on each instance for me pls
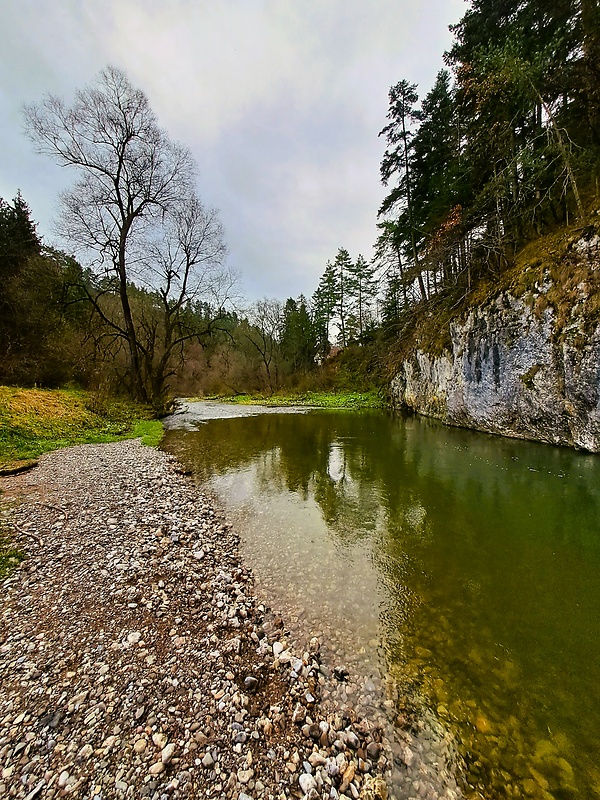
(40, 317)
(393, 302)
(436, 167)
(362, 287)
(18, 236)
(389, 254)
(298, 342)
(342, 266)
(397, 163)
(483, 165)
(325, 302)
(526, 88)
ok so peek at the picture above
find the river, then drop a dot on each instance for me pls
(457, 573)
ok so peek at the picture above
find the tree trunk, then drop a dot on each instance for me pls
(134, 353)
(413, 240)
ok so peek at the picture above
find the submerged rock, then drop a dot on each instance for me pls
(374, 789)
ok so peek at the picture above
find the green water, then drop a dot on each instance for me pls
(471, 562)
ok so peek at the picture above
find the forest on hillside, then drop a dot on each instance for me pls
(503, 148)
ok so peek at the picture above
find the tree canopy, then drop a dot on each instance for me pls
(503, 146)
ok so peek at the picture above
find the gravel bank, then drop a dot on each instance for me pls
(135, 660)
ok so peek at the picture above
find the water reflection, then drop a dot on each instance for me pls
(474, 561)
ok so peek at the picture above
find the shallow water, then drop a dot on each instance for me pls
(458, 572)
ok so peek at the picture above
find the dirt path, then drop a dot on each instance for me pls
(134, 659)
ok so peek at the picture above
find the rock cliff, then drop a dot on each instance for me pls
(522, 364)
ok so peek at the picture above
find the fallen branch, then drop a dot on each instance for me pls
(23, 532)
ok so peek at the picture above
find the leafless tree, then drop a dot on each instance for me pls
(265, 318)
(132, 212)
(183, 266)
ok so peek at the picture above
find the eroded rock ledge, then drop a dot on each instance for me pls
(519, 365)
(135, 660)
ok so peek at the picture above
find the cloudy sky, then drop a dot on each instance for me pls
(280, 101)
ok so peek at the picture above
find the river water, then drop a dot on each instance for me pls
(457, 573)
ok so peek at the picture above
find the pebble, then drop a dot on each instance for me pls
(245, 775)
(307, 782)
(85, 752)
(159, 739)
(167, 753)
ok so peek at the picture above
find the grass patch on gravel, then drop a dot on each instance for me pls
(348, 400)
(149, 430)
(9, 556)
(34, 421)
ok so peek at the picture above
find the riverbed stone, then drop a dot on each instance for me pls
(374, 789)
(307, 782)
(245, 775)
(167, 753)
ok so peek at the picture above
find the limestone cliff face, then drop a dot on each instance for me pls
(513, 370)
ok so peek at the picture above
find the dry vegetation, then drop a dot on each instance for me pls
(33, 421)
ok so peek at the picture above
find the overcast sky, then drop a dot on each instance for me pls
(280, 102)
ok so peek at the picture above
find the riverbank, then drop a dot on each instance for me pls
(35, 421)
(135, 660)
(519, 353)
(342, 399)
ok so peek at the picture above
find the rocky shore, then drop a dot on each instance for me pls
(525, 362)
(135, 660)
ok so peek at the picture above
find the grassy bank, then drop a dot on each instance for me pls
(350, 400)
(34, 421)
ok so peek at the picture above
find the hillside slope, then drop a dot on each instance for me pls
(520, 356)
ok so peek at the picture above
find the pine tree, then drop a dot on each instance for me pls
(394, 299)
(436, 159)
(342, 266)
(397, 164)
(362, 287)
(523, 90)
(298, 343)
(325, 303)
(18, 236)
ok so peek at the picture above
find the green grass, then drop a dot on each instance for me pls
(34, 421)
(347, 400)
(149, 430)
(9, 556)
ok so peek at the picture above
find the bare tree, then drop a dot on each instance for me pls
(185, 267)
(134, 198)
(265, 318)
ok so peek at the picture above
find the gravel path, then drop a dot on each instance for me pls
(190, 414)
(135, 660)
